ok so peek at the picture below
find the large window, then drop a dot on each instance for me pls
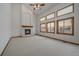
(42, 19)
(43, 27)
(51, 27)
(65, 10)
(50, 16)
(65, 26)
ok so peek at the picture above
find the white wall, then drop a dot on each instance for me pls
(76, 14)
(21, 15)
(70, 38)
(28, 18)
(11, 21)
(26, 15)
(5, 25)
(16, 19)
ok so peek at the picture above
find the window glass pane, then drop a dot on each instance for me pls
(66, 10)
(52, 27)
(65, 26)
(60, 27)
(48, 27)
(50, 16)
(42, 19)
(68, 26)
(43, 27)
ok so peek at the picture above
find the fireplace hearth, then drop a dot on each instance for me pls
(27, 31)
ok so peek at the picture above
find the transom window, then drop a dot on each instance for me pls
(50, 16)
(65, 10)
(42, 19)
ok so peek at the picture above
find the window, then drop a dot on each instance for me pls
(60, 26)
(65, 10)
(43, 27)
(50, 16)
(42, 19)
(65, 26)
(51, 27)
(48, 27)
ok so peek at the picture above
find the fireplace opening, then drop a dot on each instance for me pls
(27, 31)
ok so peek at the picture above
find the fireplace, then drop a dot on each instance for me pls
(27, 31)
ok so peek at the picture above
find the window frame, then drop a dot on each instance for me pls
(64, 8)
(50, 27)
(45, 27)
(63, 26)
(50, 14)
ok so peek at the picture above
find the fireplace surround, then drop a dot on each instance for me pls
(27, 31)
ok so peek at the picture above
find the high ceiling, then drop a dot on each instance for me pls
(43, 9)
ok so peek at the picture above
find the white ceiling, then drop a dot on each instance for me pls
(43, 9)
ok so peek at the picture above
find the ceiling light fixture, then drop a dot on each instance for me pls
(37, 6)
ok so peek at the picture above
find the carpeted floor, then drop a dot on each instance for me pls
(39, 46)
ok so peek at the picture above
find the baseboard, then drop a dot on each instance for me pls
(8, 43)
(15, 36)
(5, 46)
(59, 39)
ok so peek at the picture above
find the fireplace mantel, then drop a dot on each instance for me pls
(26, 26)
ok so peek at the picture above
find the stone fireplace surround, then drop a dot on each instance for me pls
(26, 30)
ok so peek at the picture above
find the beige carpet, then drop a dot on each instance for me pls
(39, 46)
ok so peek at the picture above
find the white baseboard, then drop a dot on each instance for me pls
(3, 45)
